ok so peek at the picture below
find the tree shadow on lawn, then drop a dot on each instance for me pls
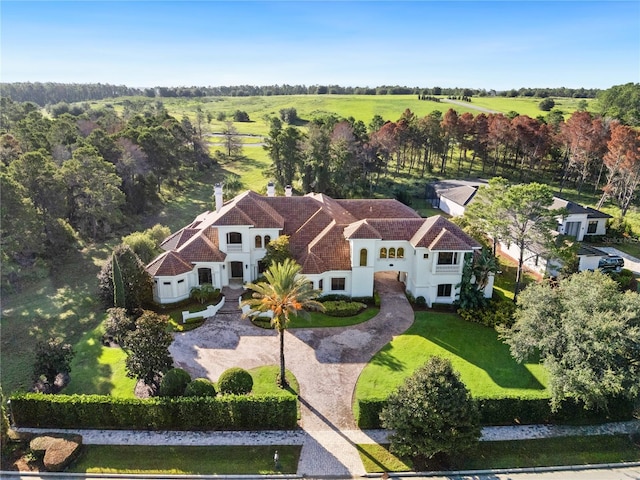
(477, 345)
(88, 375)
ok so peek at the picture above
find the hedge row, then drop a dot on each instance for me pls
(229, 412)
(522, 411)
(341, 308)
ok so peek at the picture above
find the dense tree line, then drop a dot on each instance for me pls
(78, 177)
(50, 93)
(345, 158)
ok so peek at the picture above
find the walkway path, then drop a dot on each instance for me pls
(326, 362)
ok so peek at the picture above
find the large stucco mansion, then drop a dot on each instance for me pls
(340, 245)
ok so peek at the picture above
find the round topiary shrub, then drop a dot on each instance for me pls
(235, 380)
(174, 383)
(200, 387)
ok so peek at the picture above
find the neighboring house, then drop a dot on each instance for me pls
(340, 245)
(579, 222)
(454, 200)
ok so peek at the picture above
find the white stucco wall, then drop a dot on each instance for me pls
(451, 207)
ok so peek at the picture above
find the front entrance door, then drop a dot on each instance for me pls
(236, 270)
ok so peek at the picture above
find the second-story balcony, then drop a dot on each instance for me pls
(447, 268)
(234, 248)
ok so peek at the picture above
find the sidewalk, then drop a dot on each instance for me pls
(324, 452)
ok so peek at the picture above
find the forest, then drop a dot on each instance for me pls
(80, 172)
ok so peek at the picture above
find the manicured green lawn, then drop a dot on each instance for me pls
(505, 281)
(483, 361)
(99, 370)
(516, 454)
(265, 381)
(219, 460)
(319, 320)
(62, 304)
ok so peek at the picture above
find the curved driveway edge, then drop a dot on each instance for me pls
(326, 362)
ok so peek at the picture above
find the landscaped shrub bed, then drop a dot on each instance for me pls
(342, 308)
(515, 410)
(228, 412)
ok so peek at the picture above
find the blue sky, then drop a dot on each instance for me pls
(477, 44)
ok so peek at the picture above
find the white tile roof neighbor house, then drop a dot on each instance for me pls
(340, 245)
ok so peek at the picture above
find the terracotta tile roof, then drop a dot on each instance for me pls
(361, 229)
(377, 208)
(319, 228)
(168, 264)
(431, 230)
(396, 228)
(332, 249)
(249, 208)
(308, 232)
(201, 249)
(448, 241)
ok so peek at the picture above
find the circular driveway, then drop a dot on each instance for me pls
(326, 361)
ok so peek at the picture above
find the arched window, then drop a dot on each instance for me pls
(258, 241)
(383, 252)
(401, 252)
(392, 252)
(363, 257)
(267, 240)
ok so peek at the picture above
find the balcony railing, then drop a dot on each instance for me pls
(234, 248)
(447, 268)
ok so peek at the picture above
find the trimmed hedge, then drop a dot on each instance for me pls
(341, 308)
(235, 380)
(231, 412)
(516, 410)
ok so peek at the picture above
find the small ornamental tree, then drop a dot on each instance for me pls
(236, 381)
(277, 251)
(432, 415)
(52, 357)
(148, 344)
(200, 387)
(138, 285)
(174, 383)
(119, 324)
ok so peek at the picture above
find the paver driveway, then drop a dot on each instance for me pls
(326, 362)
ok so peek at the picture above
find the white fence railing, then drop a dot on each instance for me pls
(210, 311)
(447, 268)
(246, 311)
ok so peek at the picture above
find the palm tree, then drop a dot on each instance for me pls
(285, 293)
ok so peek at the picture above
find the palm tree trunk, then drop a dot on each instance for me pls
(283, 379)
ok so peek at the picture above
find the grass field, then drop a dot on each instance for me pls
(483, 361)
(63, 304)
(517, 454)
(179, 460)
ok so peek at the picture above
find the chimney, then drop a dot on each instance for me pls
(271, 189)
(287, 191)
(217, 189)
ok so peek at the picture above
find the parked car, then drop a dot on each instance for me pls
(611, 263)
